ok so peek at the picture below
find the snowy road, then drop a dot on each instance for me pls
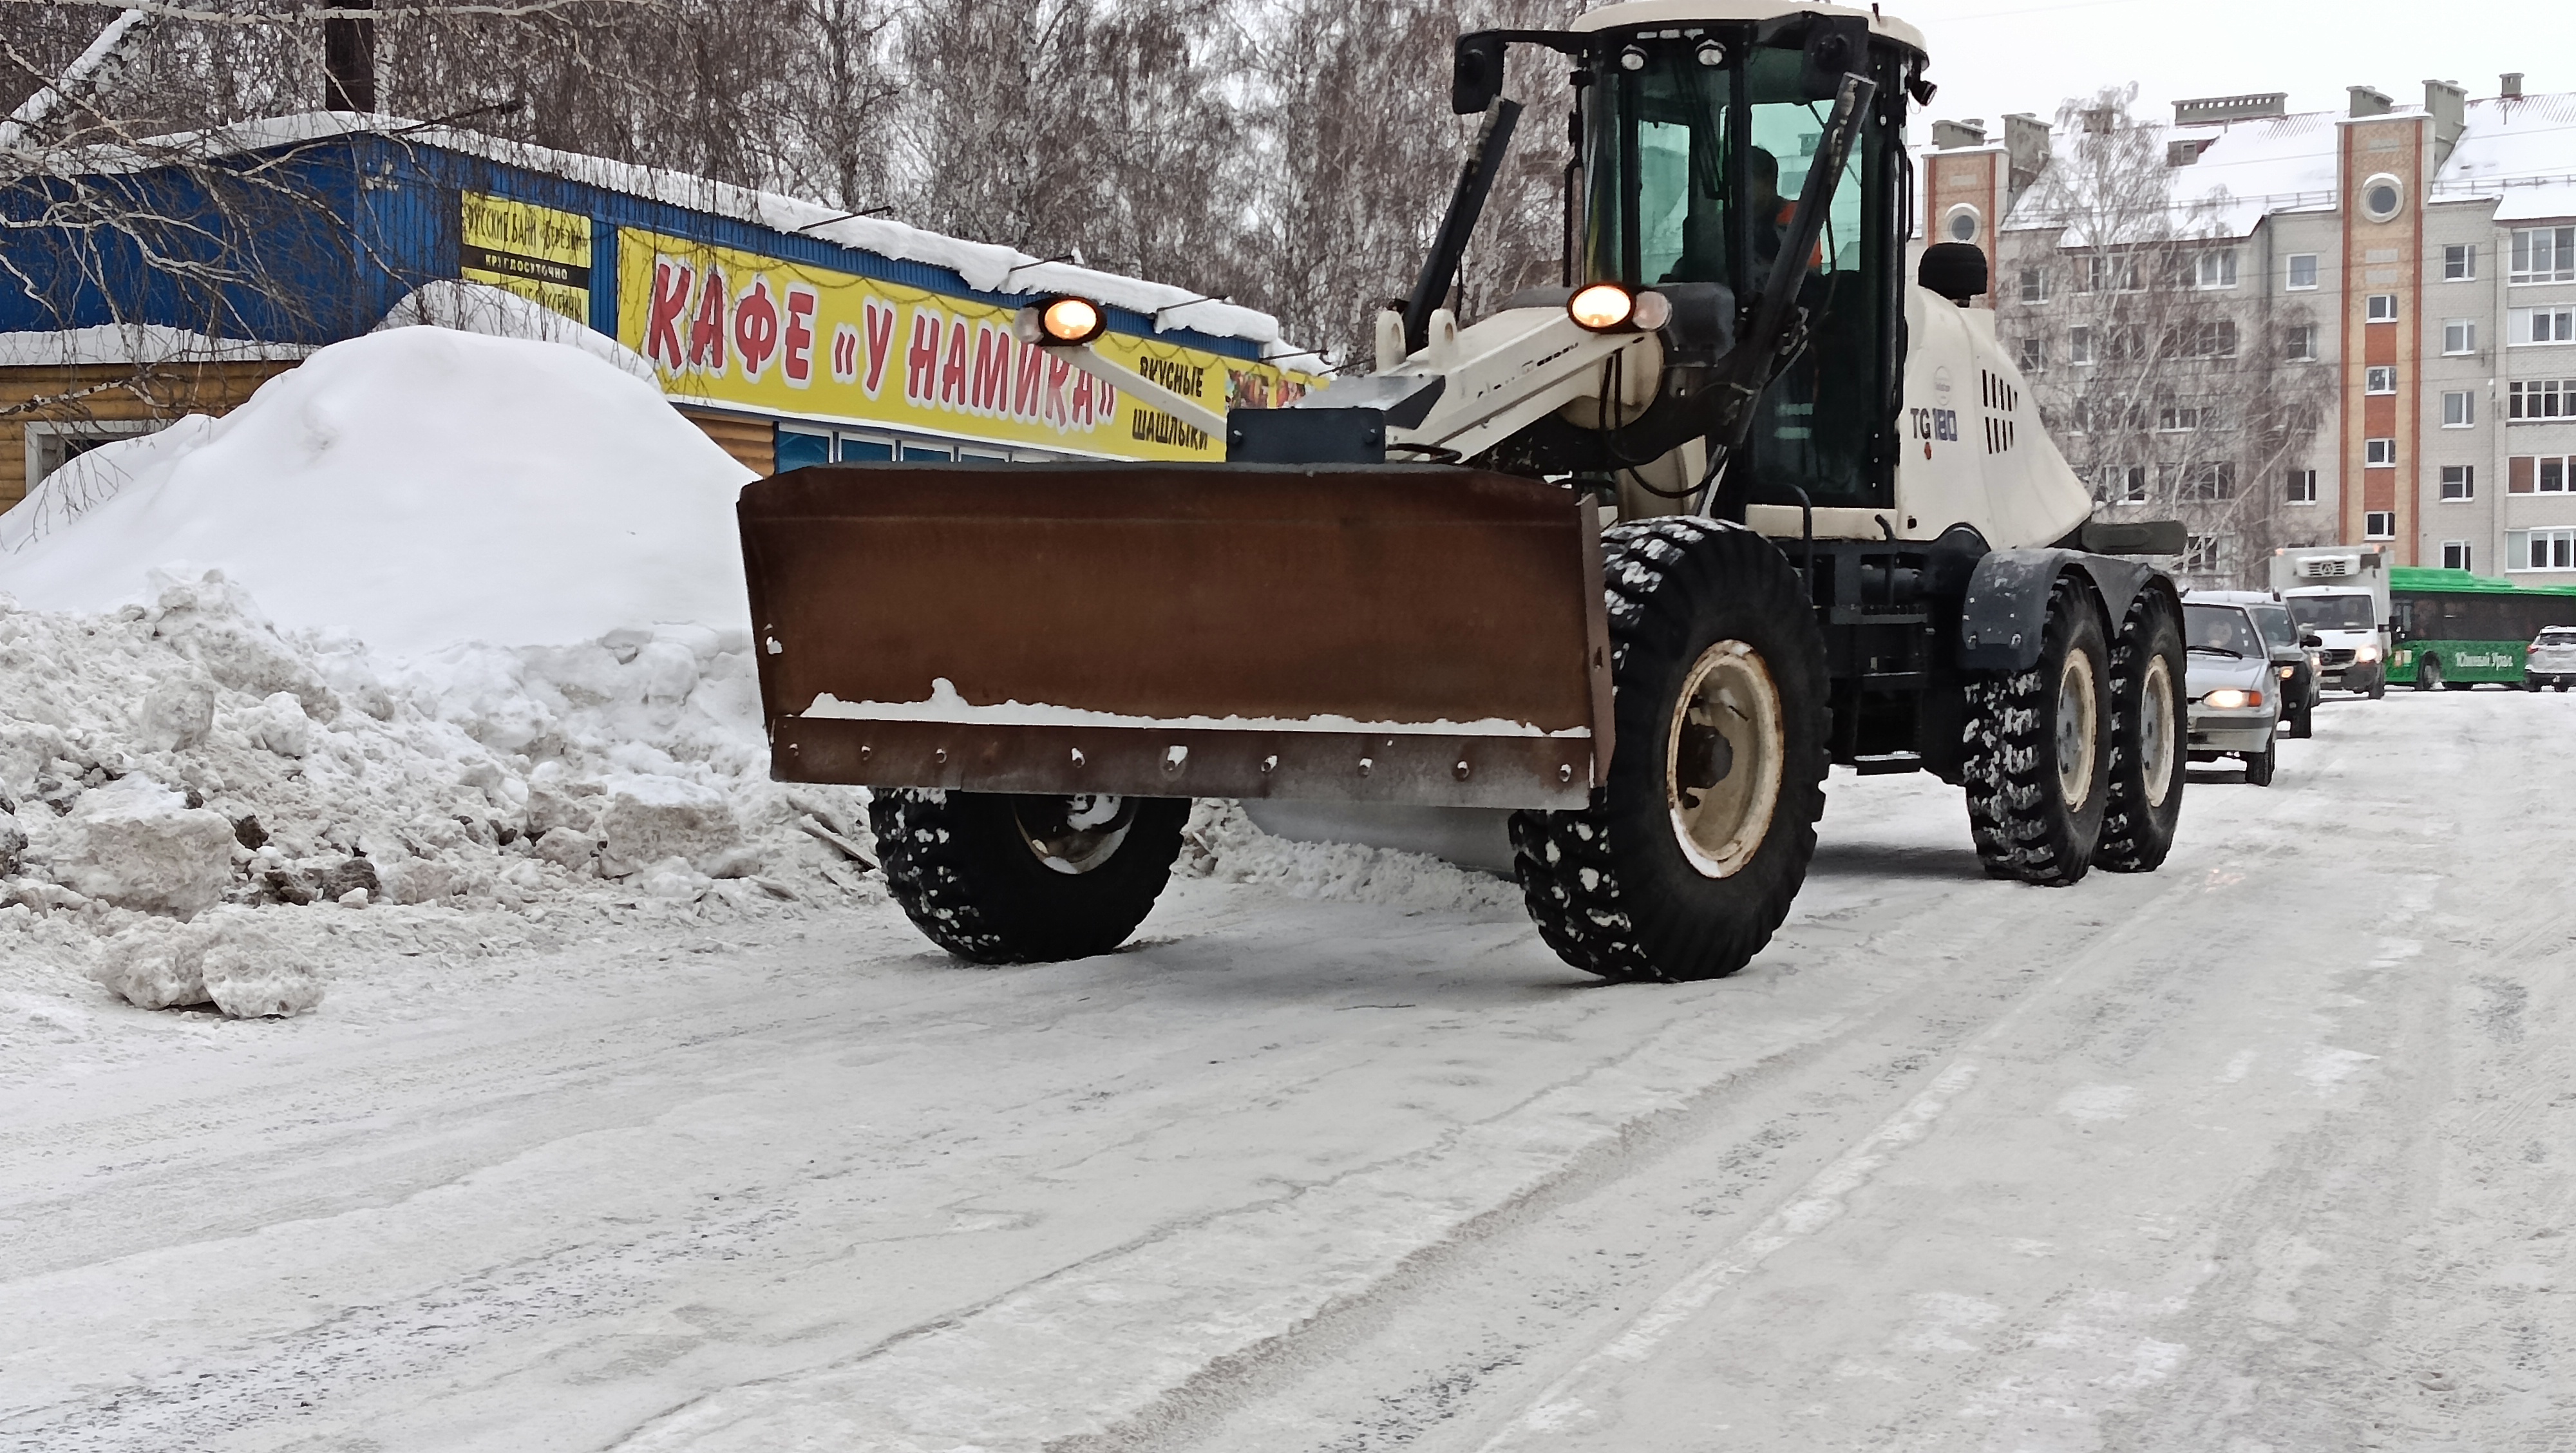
(2269, 1150)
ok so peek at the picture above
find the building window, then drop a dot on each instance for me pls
(2034, 285)
(2459, 262)
(2129, 486)
(2208, 482)
(2303, 271)
(2379, 452)
(2303, 487)
(2459, 409)
(2460, 335)
(2379, 378)
(2101, 273)
(2183, 418)
(2537, 474)
(2526, 326)
(2455, 554)
(2379, 525)
(2216, 269)
(2381, 196)
(2528, 400)
(2382, 308)
(2540, 549)
(2299, 343)
(2543, 255)
(2034, 355)
(2201, 554)
(2079, 345)
(2459, 481)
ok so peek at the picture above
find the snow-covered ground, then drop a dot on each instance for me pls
(2269, 1150)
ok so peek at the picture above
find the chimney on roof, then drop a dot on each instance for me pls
(2026, 154)
(1952, 135)
(2447, 102)
(2512, 88)
(2368, 102)
(349, 60)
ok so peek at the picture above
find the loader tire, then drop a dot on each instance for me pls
(2037, 762)
(1690, 854)
(2148, 731)
(999, 879)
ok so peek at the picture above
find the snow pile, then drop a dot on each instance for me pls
(497, 313)
(414, 488)
(435, 619)
(1222, 843)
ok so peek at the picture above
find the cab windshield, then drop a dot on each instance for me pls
(1693, 163)
(2331, 612)
(2223, 629)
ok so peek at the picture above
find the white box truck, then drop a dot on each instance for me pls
(2339, 594)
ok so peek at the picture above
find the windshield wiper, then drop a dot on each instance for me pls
(2220, 651)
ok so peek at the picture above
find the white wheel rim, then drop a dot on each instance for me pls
(1079, 837)
(1723, 755)
(2155, 730)
(2077, 729)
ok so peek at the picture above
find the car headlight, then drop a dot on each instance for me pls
(2289, 671)
(2228, 698)
(2366, 654)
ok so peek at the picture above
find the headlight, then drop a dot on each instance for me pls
(1065, 320)
(1611, 307)
(2289, 671)
(2228, 698)
(2366, 654)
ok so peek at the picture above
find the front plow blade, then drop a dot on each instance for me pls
(1402, 633)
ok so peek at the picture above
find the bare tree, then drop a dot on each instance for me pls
(2149, 343)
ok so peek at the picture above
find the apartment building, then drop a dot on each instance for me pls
(2406, 274)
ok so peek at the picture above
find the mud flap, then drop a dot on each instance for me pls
(1403, 633)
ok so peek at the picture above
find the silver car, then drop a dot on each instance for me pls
(2551, 661)
(2235, 691)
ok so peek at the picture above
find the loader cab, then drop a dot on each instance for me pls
(1695, 140)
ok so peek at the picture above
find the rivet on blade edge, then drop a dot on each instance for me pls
(866, 752)
(1077, 756)
(939, 754)
(1267, 763)
(1461, 769)
(1564, 773)
(1365, 764)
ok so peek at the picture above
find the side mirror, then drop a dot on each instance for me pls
(1476, 73)
(1955, 270)
(2312, 640)
(1830, 46)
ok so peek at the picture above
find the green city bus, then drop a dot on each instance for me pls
(2455, 629)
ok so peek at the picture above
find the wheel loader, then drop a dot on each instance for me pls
(1634, 559)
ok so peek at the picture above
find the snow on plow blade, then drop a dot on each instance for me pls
(1400, 633)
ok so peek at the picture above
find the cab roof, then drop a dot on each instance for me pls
(1683, 12)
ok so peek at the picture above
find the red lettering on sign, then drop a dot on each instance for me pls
(921, 361)
(880, 321)
(707, 329)
(796, 360)
(1026, 390)
(755, 326)
(952, 372)
(1082, 404)
(992, 393)
(1059, 374)
(668, 305)
(845, 353)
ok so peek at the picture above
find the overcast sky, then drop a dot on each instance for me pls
(1991, 57)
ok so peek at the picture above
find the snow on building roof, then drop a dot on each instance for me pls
(2520, 151)
(985, 267)
(135, 343)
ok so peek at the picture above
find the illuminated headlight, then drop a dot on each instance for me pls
(1611, 307)
(2228, 698)
(2289, 671)
(1063, 320)
(2365, 654)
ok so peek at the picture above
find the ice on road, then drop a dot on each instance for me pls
(2267, 1150)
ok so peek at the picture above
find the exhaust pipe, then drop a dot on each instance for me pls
(349, 59)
